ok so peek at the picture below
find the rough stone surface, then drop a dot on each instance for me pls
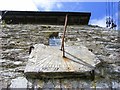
(22, 83)
(16, 39)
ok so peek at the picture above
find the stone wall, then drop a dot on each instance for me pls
(16, 40)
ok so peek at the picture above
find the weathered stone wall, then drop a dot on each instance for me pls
(16, 40)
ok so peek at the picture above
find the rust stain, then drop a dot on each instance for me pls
(70, 66)
(66, 59)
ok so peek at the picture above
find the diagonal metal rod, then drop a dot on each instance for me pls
(65, 26)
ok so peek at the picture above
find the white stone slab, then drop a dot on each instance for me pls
(49, 59)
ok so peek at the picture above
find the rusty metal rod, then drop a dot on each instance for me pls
(65, 26)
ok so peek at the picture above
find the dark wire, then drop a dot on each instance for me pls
(112, 9)
(106, 9)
